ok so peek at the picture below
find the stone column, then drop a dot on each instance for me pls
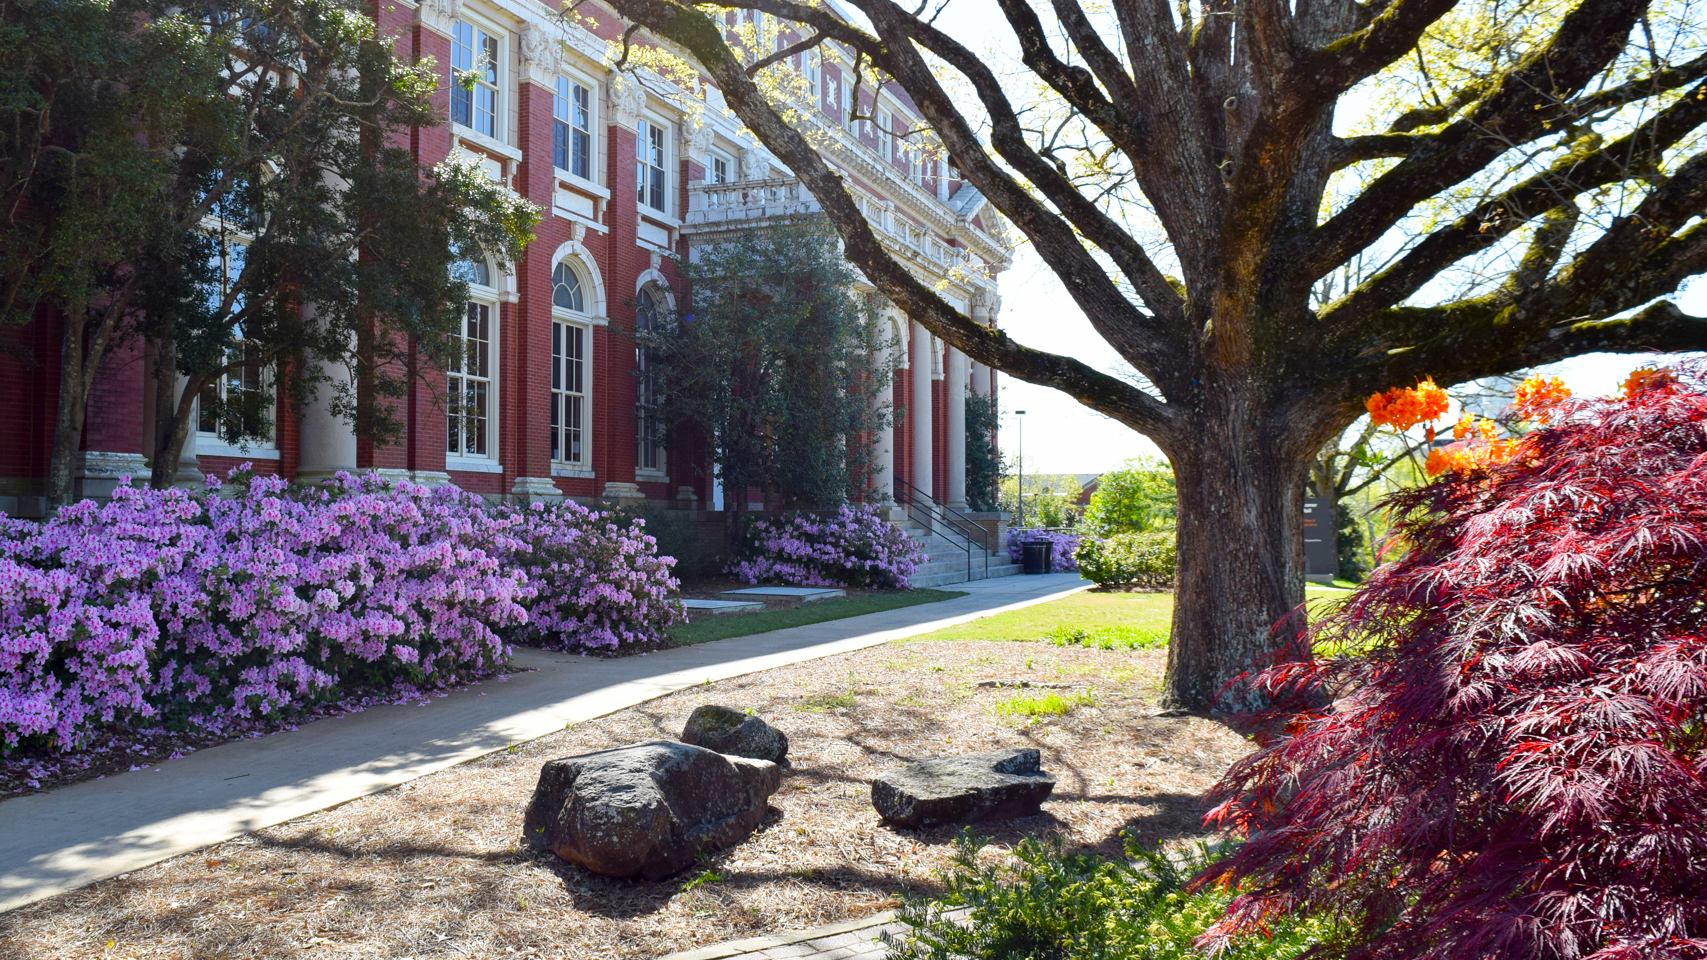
(920, 416)
(328, 441)
(980, 379)
(954, 368)
(883, 444)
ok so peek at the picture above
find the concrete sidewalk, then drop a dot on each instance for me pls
(65, 838)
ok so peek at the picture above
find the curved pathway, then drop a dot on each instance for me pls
(65, 838)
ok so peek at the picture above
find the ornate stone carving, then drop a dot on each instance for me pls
(754, 164)
(698, 139)
(627, 99)
(542, 55)
(440, 14)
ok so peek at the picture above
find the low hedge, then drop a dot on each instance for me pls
(1129, 559)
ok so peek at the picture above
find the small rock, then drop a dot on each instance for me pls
(1001, 785)
(1025, 684)
(650, 809)
(735, 733)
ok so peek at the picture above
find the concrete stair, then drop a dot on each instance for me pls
(948, 563)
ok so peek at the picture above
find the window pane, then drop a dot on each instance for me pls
(560, 145)
(566, 288)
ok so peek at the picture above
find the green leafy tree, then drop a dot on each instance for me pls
(777, 366)
(1529, 175)
(227, 181)
(1137, 498)
(95, 101)
(985, 469)
(311, 238)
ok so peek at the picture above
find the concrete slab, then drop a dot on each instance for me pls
(719, 607)
(803, 594)
(75, 835)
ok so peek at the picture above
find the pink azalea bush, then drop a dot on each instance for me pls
(600, 585)
(202, 611)
(853, 548)
(1062, 546)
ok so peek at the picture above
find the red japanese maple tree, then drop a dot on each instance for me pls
(1515, 765)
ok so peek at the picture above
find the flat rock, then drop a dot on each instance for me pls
(649, 809)
(735, 733)
(1000, 785)
(719, 607)
(803, 594)
(1024, 685)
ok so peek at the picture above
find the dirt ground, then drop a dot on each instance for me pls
(436, 868)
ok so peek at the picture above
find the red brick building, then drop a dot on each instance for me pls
(632, 172)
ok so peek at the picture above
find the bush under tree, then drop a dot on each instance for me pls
(1128, 559)
(1513, 765)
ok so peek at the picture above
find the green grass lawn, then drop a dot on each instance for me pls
(741, 624)
(1110, 613)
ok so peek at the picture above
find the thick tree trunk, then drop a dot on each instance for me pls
(1239, 574)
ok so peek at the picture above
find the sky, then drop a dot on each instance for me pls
(1058, 434)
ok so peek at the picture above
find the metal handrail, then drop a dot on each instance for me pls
(954, 520)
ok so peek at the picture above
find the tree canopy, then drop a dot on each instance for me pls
(1521, 180)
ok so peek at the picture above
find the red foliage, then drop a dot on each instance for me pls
(1518, 768)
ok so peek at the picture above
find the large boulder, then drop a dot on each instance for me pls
(649, 809)
(735, 733)
(966, 789)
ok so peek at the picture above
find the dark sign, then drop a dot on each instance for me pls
(1321, 558)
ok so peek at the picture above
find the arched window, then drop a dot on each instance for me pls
(648, 393)
(472, 272)
(566, 289)
(473, 374)
(571, 340)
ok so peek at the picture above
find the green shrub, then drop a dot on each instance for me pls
(1137, 498)
(1110, 638)
(1056, 906)
(1139, 559)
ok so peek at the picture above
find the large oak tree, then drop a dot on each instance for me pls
(1529, 191)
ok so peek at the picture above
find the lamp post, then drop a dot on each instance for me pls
(1021, 457)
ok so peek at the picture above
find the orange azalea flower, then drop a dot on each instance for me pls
(1648, 378)
(1469, 456)
(1470, 425)
(1537, 396)
(1403, 408)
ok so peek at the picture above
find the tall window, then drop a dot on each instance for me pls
(885, 136)
(470, 375)
(572, 127)
(718, 169)
(811, 66)
(474, 75)
(235, 407)
(649, 454)
(568, 368)
(847, 106)
(651, 150)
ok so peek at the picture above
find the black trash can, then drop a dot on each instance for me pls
(1036, 556)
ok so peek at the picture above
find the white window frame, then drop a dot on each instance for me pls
(209, 441)
(645, 167)
(847, 106)
(661, 470)
(886, 135)
(479, 27)
(460, 457)
(564, 322)
(712, 159)
(575, 79)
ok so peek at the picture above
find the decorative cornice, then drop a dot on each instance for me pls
(698, 138)
(542, 55)
(439, 14)
(627, 100)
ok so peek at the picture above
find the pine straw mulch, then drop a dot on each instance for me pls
(434, 868)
